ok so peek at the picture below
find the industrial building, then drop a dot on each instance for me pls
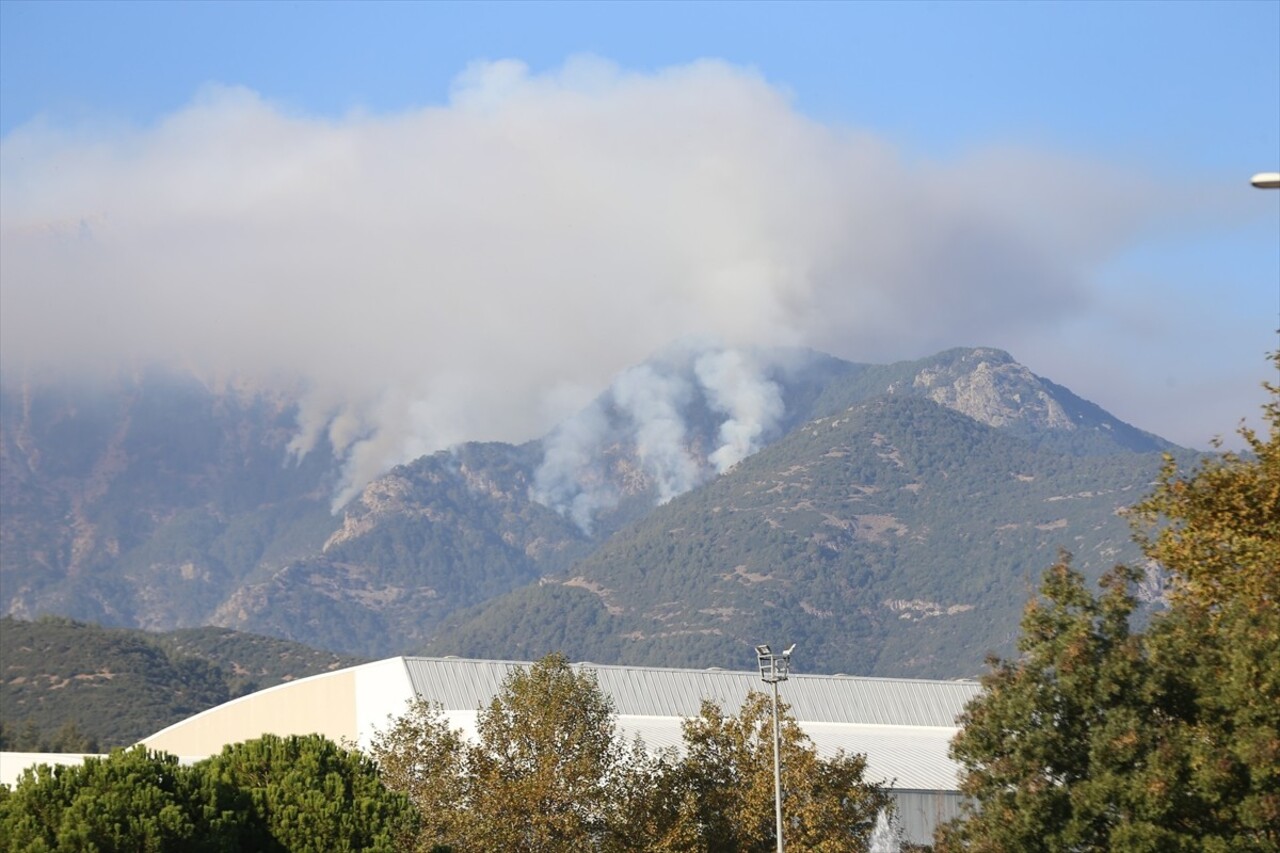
(903, 726)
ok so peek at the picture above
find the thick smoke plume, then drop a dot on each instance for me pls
(735, 386)
(572, 478)
(653, 403)
(646, 412)
(481, 269)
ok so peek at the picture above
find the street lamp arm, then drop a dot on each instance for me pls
(774, 668)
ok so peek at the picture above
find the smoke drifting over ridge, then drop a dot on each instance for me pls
(480, 270)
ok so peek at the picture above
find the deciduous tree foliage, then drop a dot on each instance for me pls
(420, 756)
(549, 759)
(725, 787)
(1216, 655)
(1100, 738)
(549, 771)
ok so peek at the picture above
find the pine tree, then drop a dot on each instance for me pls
(312, 796)
(273, 795)
(131, 800)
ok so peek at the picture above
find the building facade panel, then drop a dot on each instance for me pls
(322, 704)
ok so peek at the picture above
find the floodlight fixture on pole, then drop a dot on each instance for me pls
(1266, 180)
(774, 668)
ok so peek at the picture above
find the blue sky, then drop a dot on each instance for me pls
(1180, 84)
(1068, 181)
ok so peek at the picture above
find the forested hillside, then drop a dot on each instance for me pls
(72, 686)
(889, 517)
(897, 538)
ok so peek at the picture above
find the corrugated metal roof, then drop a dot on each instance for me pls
(464, 685)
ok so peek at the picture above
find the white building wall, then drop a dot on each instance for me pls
(321, 704)
(383, 691)
(13, 763)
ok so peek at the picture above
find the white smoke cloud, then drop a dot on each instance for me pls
(480, 269)
(572, 478)
(735, 386)
(646, 412)
(654, 403)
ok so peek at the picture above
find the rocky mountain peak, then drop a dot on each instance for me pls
(992, 388)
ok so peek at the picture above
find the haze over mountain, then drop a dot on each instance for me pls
(893, 517)
(479, 269)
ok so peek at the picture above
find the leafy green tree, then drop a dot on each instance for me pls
(724, 787)
(548, 771)
(1056, 736)
(1099, 738)
(312, 796)
(1216, 653)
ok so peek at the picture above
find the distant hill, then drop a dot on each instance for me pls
(891, 517)
(114, 686)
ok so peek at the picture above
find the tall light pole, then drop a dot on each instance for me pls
(1266, 180)
(774, 668)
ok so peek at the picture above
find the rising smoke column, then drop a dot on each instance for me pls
(572, 479)
(647, 407)
(654, 404)
(643, 407)
(736, 385)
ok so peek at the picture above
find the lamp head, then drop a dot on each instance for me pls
(764, 650)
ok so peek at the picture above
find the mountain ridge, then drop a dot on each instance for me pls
(185, 506)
